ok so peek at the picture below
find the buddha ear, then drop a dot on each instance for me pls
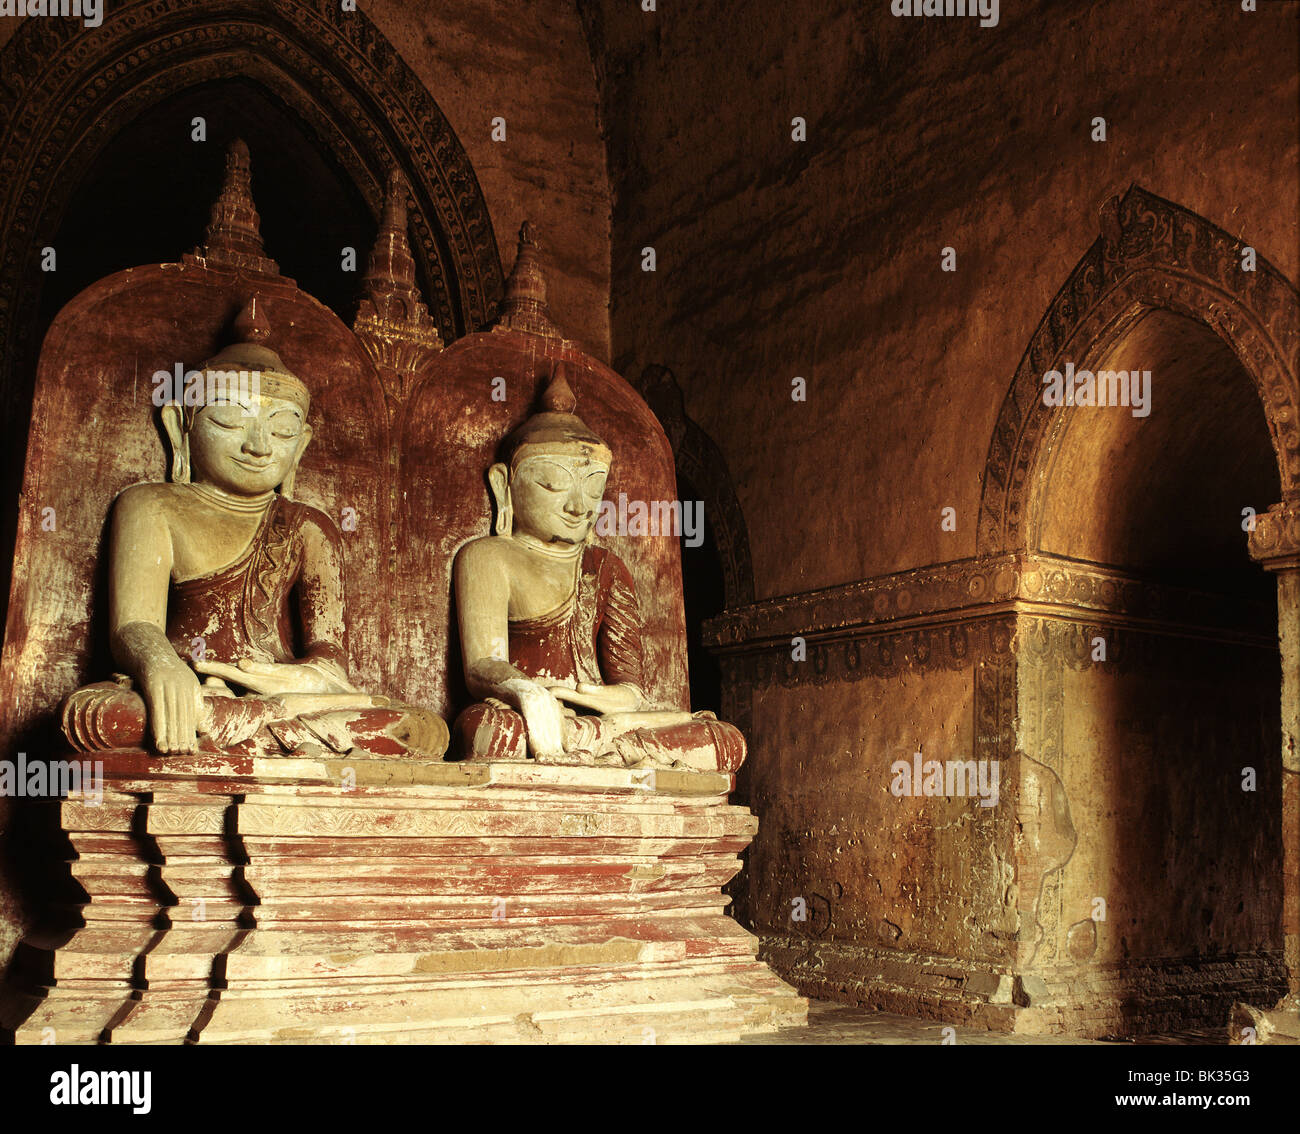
(286, 485)
(173, 420)
(499, 482)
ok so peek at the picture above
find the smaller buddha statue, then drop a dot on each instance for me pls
(226, 597)
(550, 627)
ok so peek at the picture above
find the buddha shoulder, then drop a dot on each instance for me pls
(487, 556)
(313, 521)
(141, 501)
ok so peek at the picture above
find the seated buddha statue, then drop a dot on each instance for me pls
(550, 627)
(226, 598)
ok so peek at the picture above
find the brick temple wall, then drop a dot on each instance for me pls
(821, 259)
(528, 64)
(778, 259)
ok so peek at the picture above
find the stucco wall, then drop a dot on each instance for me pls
(821, 259)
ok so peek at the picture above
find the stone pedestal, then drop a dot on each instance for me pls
(375, 901)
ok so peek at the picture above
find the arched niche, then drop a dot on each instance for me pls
(1165, 492)
(1147, 650)
(70, 92)
(147, 194)
(721, 566)
(1152, 255)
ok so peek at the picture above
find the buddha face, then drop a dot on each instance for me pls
(556, 498)
(249, 445)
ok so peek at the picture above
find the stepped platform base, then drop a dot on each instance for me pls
(304, 900)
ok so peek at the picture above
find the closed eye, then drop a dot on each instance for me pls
(286, 425)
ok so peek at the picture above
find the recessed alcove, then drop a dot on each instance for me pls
(146, 197)
(704, 594)
(1162, 495)
(1168, 731)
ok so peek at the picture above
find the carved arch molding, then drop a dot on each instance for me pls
(65, 93)
(1151, 254)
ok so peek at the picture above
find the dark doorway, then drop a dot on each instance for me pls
(1169, 740)
(704, 590)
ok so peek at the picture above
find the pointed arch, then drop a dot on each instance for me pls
(1152, 254)
(69, 93)
(66, 92)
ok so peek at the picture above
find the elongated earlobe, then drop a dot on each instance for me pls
(173, 424)
(499, 482)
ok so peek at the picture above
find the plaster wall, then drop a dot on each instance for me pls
(901, 871)
(821, 259)
(527, 64)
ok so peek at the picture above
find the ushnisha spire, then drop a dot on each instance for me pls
(249, 354)
(524, 305)
(392, 319)
(234, 236)
(556, 428)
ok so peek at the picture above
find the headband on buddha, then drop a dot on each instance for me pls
(556, 429)
(248, 366)
(251, 368)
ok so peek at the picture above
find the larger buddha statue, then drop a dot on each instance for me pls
(226, 598)
(549, 623)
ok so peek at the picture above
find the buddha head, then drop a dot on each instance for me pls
(242, 427)
(551, 479)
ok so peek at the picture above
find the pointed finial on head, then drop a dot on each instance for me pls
(555, 428)
(249, 354)
(559, 396)
(251, 324)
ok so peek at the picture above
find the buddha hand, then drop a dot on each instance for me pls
(541, 713)
(174, 701)
(600, 698)
(272, 679)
